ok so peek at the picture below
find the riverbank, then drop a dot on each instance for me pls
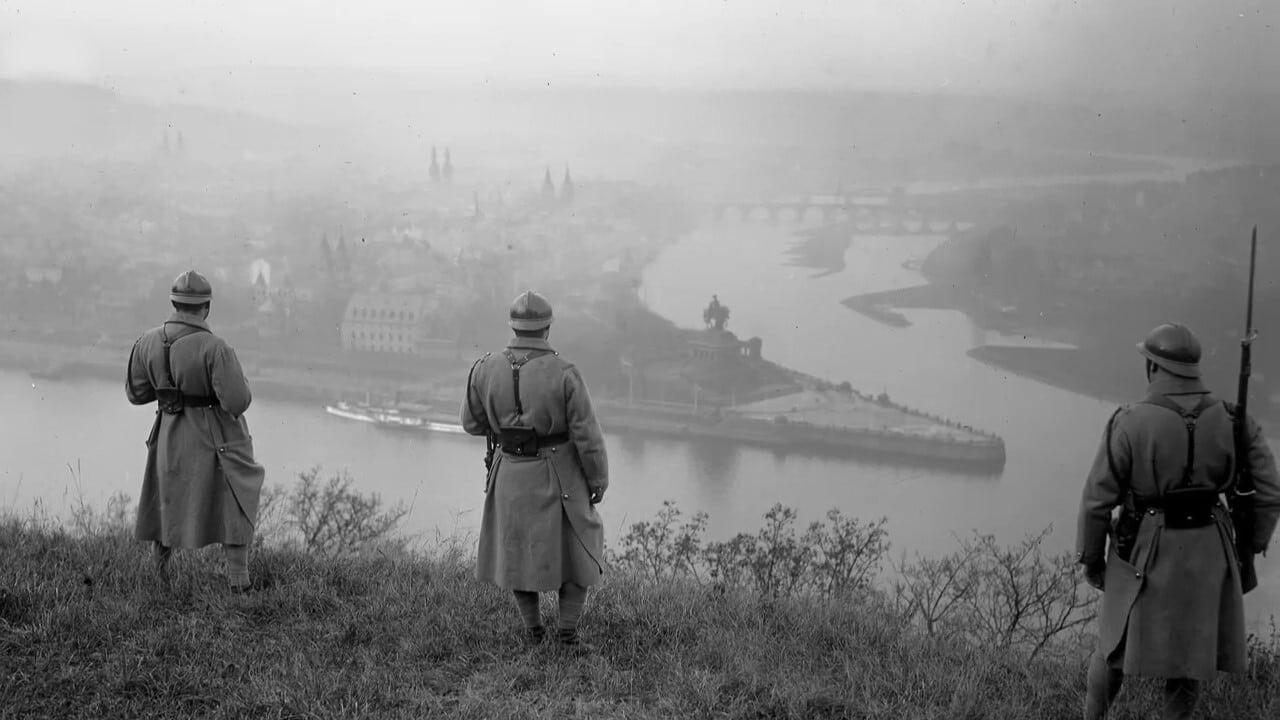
(864, 428)
(278, 377)
(1064, 368)
(88, 633)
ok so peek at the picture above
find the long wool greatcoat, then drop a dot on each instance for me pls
(1174, 608)
(539, 529)
(201, 484)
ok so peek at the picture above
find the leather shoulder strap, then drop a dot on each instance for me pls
(1189, 418)
(516, 364)
(164, 338)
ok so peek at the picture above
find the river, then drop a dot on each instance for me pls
(79, 441)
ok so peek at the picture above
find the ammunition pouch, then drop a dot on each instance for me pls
(1182, 509)
(519, 441)
(169, 400)
(1189, 508)
(172, 401)
(525, 441)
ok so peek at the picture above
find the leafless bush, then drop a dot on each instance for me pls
(1021, 598)
(665, 548)
(846, 553)
(935, 590)
(1005, 597)
(831, 558)
(724, 561)
(774, 559)
(330, 518)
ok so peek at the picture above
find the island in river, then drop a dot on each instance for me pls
(1091, 268)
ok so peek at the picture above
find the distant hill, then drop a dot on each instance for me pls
(65, 120)
(647, 132)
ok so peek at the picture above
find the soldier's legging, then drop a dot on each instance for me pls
(572, 598)
(1180, 694)
(236, 558)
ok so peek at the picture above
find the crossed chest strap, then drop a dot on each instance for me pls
(523, 440)
(1184, 506)
(169, 398)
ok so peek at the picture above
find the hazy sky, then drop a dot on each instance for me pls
(1047, 45)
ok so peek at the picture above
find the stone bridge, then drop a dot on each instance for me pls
(883, 215)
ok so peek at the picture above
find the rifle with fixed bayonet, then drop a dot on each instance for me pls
(1242, 496)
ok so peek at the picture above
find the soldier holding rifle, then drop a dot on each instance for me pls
(1177, 567)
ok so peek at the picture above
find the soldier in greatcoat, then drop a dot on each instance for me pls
(201, 485)
(1172, 604)
(540, 530)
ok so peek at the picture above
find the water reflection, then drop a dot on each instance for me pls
(715, 463)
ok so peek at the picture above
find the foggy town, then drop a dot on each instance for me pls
(664, 359)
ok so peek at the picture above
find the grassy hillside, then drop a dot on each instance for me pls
(87, 632)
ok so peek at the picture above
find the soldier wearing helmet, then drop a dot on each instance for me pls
(540, 530)
(201, 485)
(1172, 604)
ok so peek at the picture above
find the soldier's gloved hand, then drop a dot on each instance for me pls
(597, 494)
(1096, 574)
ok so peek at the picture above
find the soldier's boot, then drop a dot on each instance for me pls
(534, 636)
(572, 598)
(160, 556)
(570, 640)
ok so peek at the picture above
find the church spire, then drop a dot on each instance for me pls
(566, 187)
(548, 187)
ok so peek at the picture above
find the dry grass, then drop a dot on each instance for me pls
(87, 632)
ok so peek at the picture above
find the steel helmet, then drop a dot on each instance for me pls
(530, 311)
(1174, 348)
(191, 288)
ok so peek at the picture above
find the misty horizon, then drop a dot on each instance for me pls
(1155, 49)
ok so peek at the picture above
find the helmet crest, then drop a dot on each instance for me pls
(530, 311)
(191, 288)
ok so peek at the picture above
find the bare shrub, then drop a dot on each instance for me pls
(846, 553)
(665, 547)
(1021, 597)
(775, 559)
(273, 525)
(331, 519)
(1012, 598)
(832, 558)
(935, 590)
(721, 559)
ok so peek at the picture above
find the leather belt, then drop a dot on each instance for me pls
(200, 401)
